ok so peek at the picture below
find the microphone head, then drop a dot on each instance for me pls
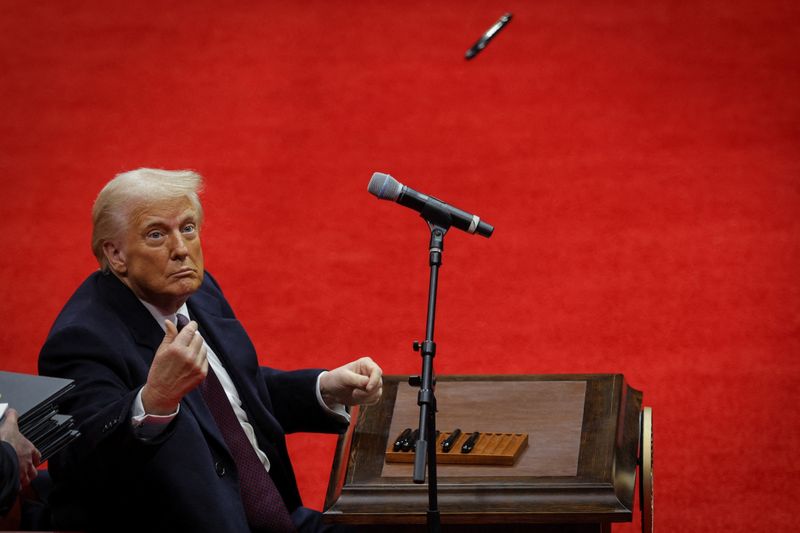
(385, 187)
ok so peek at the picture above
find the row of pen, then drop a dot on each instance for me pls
(408, 437)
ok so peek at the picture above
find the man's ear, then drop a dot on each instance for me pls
(115, 257)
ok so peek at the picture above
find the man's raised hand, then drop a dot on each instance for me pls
(357, 382)
(180, 365)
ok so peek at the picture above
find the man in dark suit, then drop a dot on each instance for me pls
(153, 345)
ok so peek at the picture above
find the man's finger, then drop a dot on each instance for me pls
(358, 381)
(367, 367)
(202, 355)
(195, 343)
(188, 333)
(374, 378)
(32, 472)
(11, 415)
(172, 332)
(366, 398)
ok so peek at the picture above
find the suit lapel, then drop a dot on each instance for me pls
(146, 332)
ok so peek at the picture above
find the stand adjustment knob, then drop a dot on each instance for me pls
(416, 381)
(416, 345)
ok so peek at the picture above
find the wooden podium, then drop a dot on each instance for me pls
(576, 474)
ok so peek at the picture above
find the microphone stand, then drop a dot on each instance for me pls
(425, 450)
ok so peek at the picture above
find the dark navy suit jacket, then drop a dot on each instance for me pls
(109, 480)
(9, 477)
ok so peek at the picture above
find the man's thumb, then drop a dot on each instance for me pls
(172, 332)
(11, 414)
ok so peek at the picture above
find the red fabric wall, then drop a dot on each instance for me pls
(639, 161)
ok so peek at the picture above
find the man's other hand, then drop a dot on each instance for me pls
(358, 382)
(180, 365)
(27, 453)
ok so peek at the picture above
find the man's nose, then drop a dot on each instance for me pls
(178, 249)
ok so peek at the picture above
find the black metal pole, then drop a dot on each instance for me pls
(425, 451)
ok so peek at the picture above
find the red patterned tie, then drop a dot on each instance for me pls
(263, 504)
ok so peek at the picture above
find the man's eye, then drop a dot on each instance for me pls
(189, 228)
(155, 235)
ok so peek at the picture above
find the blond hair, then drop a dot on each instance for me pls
(113, 209)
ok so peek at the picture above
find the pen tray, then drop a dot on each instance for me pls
(491, 449)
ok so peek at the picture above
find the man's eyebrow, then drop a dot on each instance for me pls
(153, 222)
(184, 217)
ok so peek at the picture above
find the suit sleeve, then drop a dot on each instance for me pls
(106, 386)
(294, 401)
(9, 469)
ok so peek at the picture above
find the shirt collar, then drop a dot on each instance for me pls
(160, 318)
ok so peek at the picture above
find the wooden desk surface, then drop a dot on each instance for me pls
(550, 412)
(579, 467)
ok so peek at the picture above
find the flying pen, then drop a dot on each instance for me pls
(488, 36)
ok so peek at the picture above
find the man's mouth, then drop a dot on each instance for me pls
(183, 272)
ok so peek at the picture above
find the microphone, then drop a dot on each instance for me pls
(433, 210)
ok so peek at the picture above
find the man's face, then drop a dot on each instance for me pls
(159, 256)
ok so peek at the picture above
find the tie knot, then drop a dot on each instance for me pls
(181, 320)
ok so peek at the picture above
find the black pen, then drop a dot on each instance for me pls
(398, 443)
(447, 443)
(470, 443)
(411, 441)
(488, 36)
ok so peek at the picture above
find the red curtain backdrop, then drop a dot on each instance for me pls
(638, 159)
